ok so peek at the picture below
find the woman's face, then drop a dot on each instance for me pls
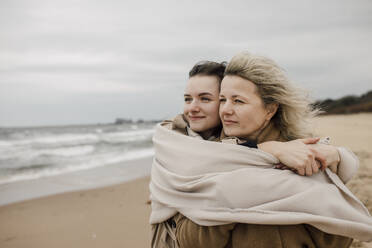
(242, 110)
(202, 103)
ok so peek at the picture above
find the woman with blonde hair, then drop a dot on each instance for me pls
(216, 184)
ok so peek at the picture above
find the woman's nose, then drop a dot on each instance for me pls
(226, 108)
(194, 106)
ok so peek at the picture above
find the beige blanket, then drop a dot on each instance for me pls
(214, 183)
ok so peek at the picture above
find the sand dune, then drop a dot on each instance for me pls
(355, 132)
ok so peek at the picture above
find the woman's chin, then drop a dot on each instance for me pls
(233, 132)
(197, 128)
(230, 131)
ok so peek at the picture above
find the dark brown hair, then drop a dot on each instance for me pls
(208, 68)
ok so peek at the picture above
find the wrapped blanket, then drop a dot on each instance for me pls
(215, 183)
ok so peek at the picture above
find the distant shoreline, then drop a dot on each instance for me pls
(77, 125)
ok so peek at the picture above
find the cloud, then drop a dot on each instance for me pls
(104, 51)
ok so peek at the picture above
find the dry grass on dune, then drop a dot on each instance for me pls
(361, 186)
(354, 132)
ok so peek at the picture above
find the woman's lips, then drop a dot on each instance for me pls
(196, 118)
(229, 122)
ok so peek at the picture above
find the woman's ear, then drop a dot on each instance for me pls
(271, 110)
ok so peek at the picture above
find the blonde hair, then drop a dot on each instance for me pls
(294, 115)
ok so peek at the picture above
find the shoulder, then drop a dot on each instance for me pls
(178, 124)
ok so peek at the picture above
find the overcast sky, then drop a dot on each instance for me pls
(70, 62)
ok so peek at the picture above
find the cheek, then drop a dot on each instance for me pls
(258, 116)
(185, 108)
(220, 112)
(250, 114)
(213, 109)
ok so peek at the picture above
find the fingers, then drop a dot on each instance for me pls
(299, 156)
(318, 165)
(315, 167)
(279, 166)
(282, 167)
(301, 171)
(323, 162)
(286, 168)
(320, 158)
(309, 167)
(307, 141)
(309, 170)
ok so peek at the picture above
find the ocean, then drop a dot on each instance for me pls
(36, 152)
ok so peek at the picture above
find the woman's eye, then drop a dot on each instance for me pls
(222, 100)
(238, 101)
(188, 99)
(205, 99)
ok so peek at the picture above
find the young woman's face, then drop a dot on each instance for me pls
(202, 103)
(242, 110)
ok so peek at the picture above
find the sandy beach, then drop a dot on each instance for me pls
(117, 216)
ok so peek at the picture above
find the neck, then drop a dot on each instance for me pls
(256, 135)
(210, 132)
(267, 132)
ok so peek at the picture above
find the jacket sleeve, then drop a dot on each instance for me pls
(348, 166)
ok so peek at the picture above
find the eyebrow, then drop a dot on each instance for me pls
(201, 94)
(205, 93)
(235, 96)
